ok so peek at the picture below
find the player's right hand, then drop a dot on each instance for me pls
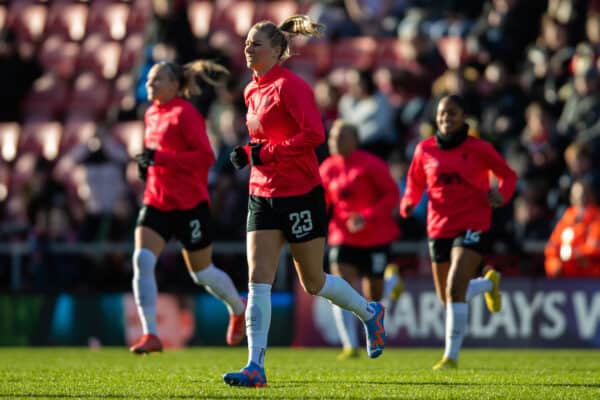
(239, 157)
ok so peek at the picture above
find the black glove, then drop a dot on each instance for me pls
(142, 172)
(239, 157)
(255, 154)
(240, 154)
(146, 158)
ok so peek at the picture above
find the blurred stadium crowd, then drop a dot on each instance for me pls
(72, 76)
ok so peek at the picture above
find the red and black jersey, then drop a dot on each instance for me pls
(457, 182)
(282, 114)
(360, 183)
(178, 180)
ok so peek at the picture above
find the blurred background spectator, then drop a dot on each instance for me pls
(72, 76)
(573, 250)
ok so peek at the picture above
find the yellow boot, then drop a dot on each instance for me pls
(445, 364)
(493, 298)
(348, 353)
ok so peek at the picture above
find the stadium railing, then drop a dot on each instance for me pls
(16, 251)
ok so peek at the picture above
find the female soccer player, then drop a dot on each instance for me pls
(456, 168)
(362, 196)
(175, 164)
(286, 201)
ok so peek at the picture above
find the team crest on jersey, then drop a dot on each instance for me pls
(259, 108)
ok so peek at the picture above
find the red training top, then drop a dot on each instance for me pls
(178, 180)
(360, 183)
(282, 114)
(458, 182)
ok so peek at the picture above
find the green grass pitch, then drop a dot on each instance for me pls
(195, 373)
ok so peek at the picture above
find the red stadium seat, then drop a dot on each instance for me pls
(309, 57)
(101, 57)
(131, 135)
(29, 20)
(389, 53)
(123, 95)
(90, 95)
(77, 129)
(109, 18)
(3, 16)
(9, 140)
(140, 14)
(4, 181)
(132, 52)
(68, 19)
(41, 138)
(46, 99)
(200, 13)
(276, 11)
(358, 52)
(59, 56)
(234, 16)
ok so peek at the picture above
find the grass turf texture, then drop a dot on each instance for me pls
(195, 373)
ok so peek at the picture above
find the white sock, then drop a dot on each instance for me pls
(219, 284)
(388, 285)
(145, 291)
(258, 321)
(478, 286)
(457, 315)
(340, 293)
(345, 323)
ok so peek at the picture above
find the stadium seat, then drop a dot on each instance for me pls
(9, 140)
(123, 95)
(109, 18)
(200, 13)
(309, 57)
(132, 52)
(358, 52)
(100, 56)
(23, 169)
(389, 53)
(41, 138)
(47, 98)
(276, 11)
(90, 95)
(140, 14)
(68, 19)
(131, 135)
(4, 181)
(3, 16)
(234, 16)
(29, 20)
(59, 56)
(77, 129)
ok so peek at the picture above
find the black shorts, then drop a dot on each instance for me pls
(439, 249)
(193, 228)
(300, 218)
(370, 261)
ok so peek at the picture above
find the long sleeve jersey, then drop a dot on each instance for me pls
(573, 249)
(283, 116)
(457, 182)
(178, 180)
(360, 183)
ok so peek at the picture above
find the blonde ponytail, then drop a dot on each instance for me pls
(294, 25)
(210, 72)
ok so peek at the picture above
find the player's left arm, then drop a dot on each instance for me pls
(507, 178)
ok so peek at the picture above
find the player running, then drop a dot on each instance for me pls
(455, 168)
